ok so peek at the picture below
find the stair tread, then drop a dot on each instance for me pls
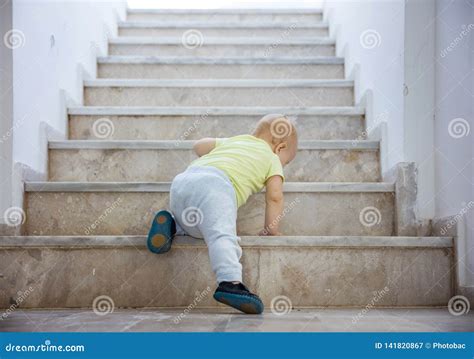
(235, 110)
(246, 241)
(212, 40)
(227, 11)
(188, 144)
(216, 83)
(39, 186)
(224, 25)
(137, 59)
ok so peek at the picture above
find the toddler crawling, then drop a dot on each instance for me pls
(214, 186)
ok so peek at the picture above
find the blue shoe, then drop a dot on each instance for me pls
(161, 232)
(239, 297)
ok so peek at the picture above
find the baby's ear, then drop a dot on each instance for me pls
(281, 146)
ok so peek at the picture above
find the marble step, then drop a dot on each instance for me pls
(192, 123)
(152, 67)
(308, 271)
(235, 92)
(109, 161)
(223, 47)
(242, 16)
(127, 208)
(195, 33)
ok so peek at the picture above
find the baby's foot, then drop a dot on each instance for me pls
(239, 297)
(161, 232)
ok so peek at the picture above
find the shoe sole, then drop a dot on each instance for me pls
(161, 233)
(244, 303)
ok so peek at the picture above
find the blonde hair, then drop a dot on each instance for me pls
(281, 128)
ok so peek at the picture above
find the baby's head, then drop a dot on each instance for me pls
(280, 133)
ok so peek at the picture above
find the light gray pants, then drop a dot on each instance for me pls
(204, 205)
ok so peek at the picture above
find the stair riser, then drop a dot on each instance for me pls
(284, 19)
(196, 127)
(134, 277)
(216, 71)
(129, 165)
(130, 213)
(220, 96)
(217, 51)
(202, 33)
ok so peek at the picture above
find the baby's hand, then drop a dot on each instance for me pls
(274, 206)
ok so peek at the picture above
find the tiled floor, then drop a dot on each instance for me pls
(311, 320)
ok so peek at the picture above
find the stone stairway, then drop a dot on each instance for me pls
(84, 234)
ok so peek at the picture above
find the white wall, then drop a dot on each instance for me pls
(56, 36)
(6, 114)
(454, 167)
(370, 33)
(419, 99)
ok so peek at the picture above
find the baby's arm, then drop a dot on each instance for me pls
(274, 206)
(204, 146)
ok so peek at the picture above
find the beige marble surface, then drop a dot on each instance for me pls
(120, 213)
(155, 127)
(231, 16)
(217, 71)
(232, 32)
(139, 241)
(201, 320)
(163, 165)
(316, 276)
(207, 50)
(222, 96)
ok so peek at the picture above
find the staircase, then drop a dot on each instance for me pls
(172, 77)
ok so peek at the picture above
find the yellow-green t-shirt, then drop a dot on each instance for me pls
(248, 161)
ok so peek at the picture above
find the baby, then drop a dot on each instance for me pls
(204, 200)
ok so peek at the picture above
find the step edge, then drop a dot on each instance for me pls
(89, 242)
(146, 187)
(216, 83)
(218, 25)
(169, 40)
(227, 11)
(367, 145)
(237, 110)
(170, 60)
